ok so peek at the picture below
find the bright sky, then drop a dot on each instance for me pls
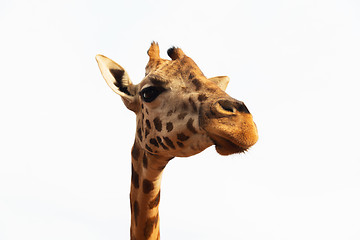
(65, 137)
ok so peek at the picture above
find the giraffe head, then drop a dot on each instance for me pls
(180, 112)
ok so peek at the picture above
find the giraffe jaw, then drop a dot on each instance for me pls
(226, 147)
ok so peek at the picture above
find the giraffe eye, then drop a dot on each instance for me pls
(149, 94)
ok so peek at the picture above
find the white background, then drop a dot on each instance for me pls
(65, 137)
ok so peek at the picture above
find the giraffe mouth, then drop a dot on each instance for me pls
(225, 146)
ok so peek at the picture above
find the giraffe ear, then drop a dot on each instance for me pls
(118, 80)
(221, 81)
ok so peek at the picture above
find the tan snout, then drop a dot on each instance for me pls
(230, 125)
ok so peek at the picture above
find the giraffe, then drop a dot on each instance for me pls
(179, 113)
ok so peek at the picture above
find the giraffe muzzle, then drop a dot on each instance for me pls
(230, 126)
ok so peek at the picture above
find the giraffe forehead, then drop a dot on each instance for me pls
(192, 84)
(175, 72)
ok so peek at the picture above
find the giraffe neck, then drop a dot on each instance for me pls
(146, 172)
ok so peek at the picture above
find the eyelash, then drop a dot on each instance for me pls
(149, 94)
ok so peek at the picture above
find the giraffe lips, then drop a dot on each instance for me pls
(226, 147)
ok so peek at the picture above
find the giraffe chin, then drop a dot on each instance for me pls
(226, 147)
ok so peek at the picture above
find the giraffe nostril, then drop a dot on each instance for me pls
(226, 105)
(233, 106)
(227, 108)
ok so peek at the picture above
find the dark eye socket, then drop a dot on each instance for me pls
(149, 94)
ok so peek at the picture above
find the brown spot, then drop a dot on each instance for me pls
(158, 124)
(147, 186)
(169, 113)
(180, 144)
(158, 139)
(139, 134)
(193, 104)
(164, 146)
(136, 211)
(155, 202)
(197, 84)
(191, 76)
(184, 106)
(169, 142)
(181, 116)
(134, 177)
(135, 152)
(154, 142)
(202, 97)
(148, 123)
(146, 110)
(190, 126)
(211, 90)
(148, 148)
(182, 137)
(169, 126)
(131, 204)
(146, 132)
(150, 224)
(145, 161)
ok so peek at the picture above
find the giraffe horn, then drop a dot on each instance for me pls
(154, 58)
(175, 53)
(154, 52)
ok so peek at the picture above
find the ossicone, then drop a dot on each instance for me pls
(154, 52)
(175, 53)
